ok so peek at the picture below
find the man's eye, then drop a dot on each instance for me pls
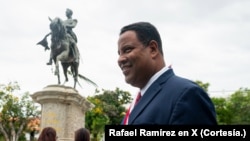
(127, 50)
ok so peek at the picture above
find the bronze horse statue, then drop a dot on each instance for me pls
(63, 49)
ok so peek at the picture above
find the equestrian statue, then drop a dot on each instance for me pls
(64, 47)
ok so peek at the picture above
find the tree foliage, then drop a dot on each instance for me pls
(234, 109)
(109, 109)
(203, 85)
(224, 115)
(15, 111)
(239, 104)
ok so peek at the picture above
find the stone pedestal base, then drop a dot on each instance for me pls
(63, 108)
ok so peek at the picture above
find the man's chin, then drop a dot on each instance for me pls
(128, 80)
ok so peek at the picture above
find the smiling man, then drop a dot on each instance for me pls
(166, 99)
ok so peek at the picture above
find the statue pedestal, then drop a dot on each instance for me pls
(63, 108)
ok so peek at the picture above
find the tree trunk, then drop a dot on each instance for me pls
(4, 132)
(20, 130)
(13, 132)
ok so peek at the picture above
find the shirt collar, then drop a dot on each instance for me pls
(153, 78)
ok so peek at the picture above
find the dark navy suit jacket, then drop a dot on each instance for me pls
(172, 100)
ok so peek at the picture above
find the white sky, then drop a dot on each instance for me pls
(206, 40)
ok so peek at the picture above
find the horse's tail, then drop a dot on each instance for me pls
(87, 80)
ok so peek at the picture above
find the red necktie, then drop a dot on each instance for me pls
(128, 111)
(138, 98)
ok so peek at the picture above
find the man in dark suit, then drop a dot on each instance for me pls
(166, 99)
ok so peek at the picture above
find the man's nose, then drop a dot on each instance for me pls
(121, 59)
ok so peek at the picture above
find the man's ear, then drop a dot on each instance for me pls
(154, 50)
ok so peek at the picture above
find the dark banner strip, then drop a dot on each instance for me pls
(162, 132)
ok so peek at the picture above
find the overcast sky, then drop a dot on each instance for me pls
(206, 40)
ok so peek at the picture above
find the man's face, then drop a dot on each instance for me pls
(68, 13)
(134, 59)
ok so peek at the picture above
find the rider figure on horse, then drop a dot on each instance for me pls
(69, 24)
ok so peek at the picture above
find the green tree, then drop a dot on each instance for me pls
(223, 113)
(15, 111)
(96, 119)
(203, 85)
(234, 109)
(109, 109)
(239, 105)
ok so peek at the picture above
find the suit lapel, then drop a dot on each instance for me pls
(149, 95)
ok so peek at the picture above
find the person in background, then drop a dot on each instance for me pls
(166, 99)
(82, 134)
(48, 134)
